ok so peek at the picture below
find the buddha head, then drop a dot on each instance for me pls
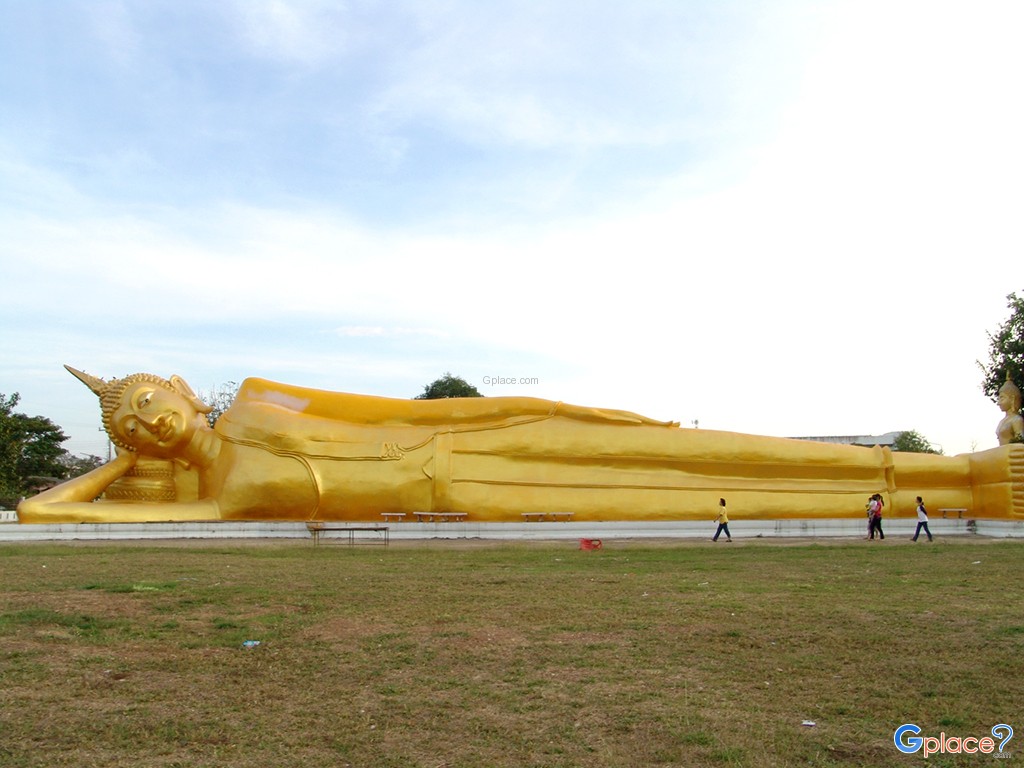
(147, 413)
(1009, 397)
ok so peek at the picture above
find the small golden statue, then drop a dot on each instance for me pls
(1011, 427)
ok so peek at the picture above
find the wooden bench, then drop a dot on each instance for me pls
(440, 517)
(316, 528)
(959, 512)
(540, 517)
(451, 517)
(398, 517)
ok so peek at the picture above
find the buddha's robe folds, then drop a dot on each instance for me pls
(295, 453)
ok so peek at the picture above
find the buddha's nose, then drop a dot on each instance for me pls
(151, 421)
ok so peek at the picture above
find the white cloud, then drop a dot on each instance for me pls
(363, 331)
(113, 26)
(307, 32)
(838, 277)
(576, 75)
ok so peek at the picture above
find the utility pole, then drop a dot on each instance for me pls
(101, 429)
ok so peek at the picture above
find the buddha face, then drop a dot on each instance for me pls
(155, 420)
(1009, 401)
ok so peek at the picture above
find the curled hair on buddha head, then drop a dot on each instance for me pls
(1009, 388)
(111, 392)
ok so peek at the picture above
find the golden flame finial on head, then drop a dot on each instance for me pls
(94, 383)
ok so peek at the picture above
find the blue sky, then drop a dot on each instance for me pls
(788, 217)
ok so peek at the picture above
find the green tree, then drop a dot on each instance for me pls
(1005, 351)
(41, 452)
(913, 441)
(220, 399)
(9, 484)
(30, 450)
(448, 386)
(79, 465)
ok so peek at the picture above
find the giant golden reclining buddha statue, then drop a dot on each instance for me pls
(283, 452)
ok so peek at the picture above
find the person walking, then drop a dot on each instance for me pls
(875, 509)
(922, 520)
(723, 522)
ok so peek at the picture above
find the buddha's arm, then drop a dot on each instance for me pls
(72, 502)
(486, 409)
(87, 487)
(609, 415)
(389, 411)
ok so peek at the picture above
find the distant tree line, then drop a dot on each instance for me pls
(913, 441)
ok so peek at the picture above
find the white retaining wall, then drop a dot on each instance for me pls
(741, 529)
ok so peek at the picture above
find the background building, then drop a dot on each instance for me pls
(868, 441)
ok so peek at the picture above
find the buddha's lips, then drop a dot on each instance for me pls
(165, 428)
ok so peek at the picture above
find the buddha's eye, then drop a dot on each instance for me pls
(144, 401)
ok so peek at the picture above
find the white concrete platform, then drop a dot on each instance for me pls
(741, 529)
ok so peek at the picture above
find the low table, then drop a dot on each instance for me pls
(316, 528)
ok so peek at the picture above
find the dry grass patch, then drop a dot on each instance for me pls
(505, 655)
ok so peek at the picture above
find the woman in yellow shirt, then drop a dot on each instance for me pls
(723, 522)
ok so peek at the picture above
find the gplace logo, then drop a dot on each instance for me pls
(951, 745)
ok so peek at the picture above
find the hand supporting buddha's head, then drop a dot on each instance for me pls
(147, 413)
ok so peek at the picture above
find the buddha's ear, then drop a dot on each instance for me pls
(182, 388)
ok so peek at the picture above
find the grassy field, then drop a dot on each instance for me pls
(472, 654)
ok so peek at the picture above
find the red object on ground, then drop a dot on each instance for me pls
(590, 543)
